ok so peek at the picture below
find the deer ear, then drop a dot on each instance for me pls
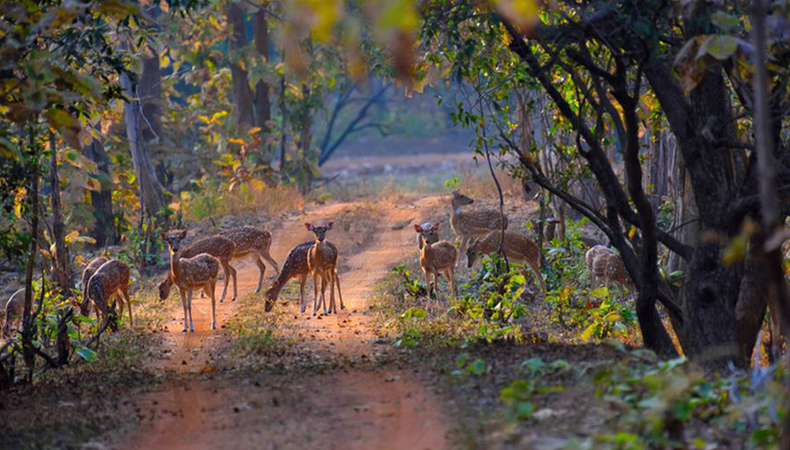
(435, 226)
(417, 228)
(308, 226)
(182, 234)
(329, 225)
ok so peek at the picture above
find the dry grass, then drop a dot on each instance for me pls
(253, 197)
(478, 183)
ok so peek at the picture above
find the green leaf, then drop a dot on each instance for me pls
(725, 22)
(86, 353)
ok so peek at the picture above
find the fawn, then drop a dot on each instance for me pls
(253, 242)
(12, 312)
(110, 279)
(432, 235)
(87, 273)
(295, 265)
(436, 258)
(469, 224)
(219, 247)
(518, 248)
(605, 264)
(322, 263)
(189, 274)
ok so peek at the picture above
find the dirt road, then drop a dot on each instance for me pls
(341, 408)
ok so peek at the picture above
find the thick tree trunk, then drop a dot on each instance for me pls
(151, 97)
(104, 228)
(152, 198)
(263, 107)
(28, 326)
(63, 272)
(242, 94)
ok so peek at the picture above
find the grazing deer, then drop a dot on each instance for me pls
(518, 248)
(322, 262)
(189, 274)
(606, 265)
(436, 258)
(87, 273)
(253, 242)
(469, 224)
(295, 265)
(110, 279)
(219, 247)
(12, 312)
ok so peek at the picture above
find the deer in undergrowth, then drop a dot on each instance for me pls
(110, 279)
(255, 243)
(322, 263)
(437, 258)
(469, 224)
(219, 247)
(518, 248)
(11, 313)
(605, 265)
(189, 274)
(87, 273)
(295, 265)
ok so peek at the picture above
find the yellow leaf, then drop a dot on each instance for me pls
(19, 199)
(164, 61)
(254, 130)
(236, 141)
(71, 237)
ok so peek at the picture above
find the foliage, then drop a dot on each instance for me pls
(538, 377)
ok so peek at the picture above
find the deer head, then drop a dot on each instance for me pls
(173, 239)
(319, 232)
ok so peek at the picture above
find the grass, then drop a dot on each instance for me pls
(255, 197)
(256, 333)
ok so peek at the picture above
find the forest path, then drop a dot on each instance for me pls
(340, 408)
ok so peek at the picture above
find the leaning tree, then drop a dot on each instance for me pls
(609, 67)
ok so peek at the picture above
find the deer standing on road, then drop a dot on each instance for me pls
(437, 258)
(219, 247)
(189, 274)
(253, 242)
(295, 265)
(322, 262)
(469, 224)
(518, 248)
(606, 265)
(110, 279)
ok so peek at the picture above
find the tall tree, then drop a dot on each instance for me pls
(242, 94)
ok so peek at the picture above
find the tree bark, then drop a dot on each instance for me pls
(151, 97)
(63, 272)
(104, 227)
(152, 198)
(263, 107)
(242, 94)
(28, 325)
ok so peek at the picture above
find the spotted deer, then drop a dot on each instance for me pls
(469, 224)
(518, 248)
(87, 273)
(255, 243)
(322, 263)
(219, 247)
(606, 265)
(189, 274)
(437, 258)
(295, 265)
(12, 312)
(110, 279)
(432, 235)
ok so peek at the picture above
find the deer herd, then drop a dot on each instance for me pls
(196, 267)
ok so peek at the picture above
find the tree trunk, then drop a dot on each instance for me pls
(242, 94)
(104, 228)
(283, 161)
(28, 325)
(152, 198)
(63, 272)
(151, 97)
(263, 107)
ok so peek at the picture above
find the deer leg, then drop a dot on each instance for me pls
(332, 306)
(271, 261)
(340, 294)
(451, 279)
(213, 310)
(261, 271)
(427, 283)
(536, 270)
(125, 291)
(436, 283)
(315, 293)
(189, 311)
(302, 304)
(184, 304)
(226, 270)
(323, 292)
(462, 249)
(235, 290)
